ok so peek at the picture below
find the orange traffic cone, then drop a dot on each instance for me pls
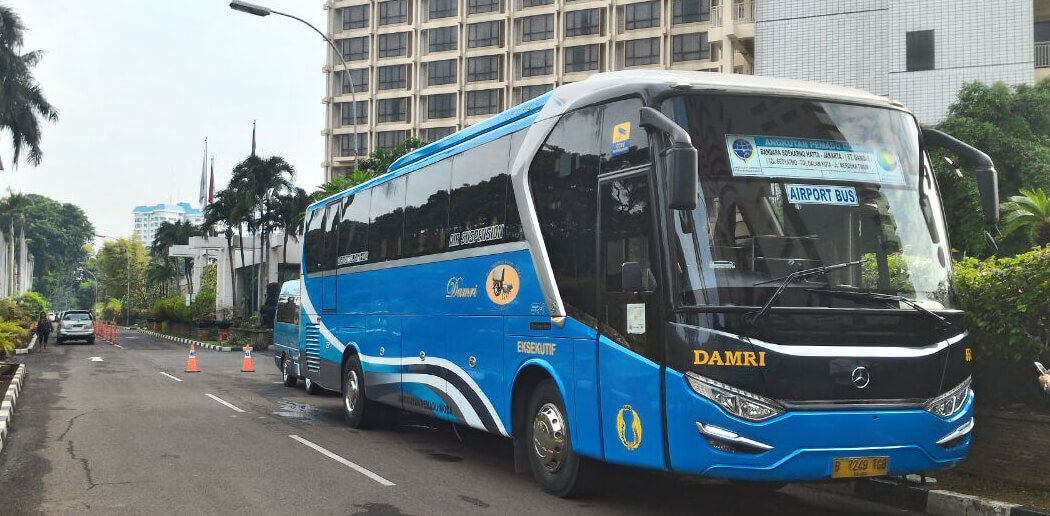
(246, 363)
(191, 362)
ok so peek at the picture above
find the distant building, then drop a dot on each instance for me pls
(149, 218)
(919, 52)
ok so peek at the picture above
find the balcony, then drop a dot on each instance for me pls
(716, 16)
(1042, 54)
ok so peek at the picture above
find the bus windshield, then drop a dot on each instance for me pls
(794, 184)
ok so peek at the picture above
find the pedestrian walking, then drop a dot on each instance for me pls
(43, 331)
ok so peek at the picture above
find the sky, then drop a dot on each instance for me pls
(140, 84)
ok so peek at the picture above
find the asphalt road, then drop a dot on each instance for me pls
(113, 435)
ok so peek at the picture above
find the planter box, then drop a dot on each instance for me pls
(261, 339)
(1010, 446)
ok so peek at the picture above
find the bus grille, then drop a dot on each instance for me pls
(313, 348)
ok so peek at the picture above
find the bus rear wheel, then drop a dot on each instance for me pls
(286, 373)
(359, 411)
(555, 465)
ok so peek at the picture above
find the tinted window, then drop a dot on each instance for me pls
(313, 244)
(426, 209)
(392, 45)
(485, 34)
(353, 229)
(355, 17)
(355, 49)
(690, 47)
(434, 134)
(288, 310)
(77, 317)
(482, 102)
(642, 52)
(624, 142)
(537, 62)
(691, 11)
(482, 6)
(580, 23)
(536, 28)
(582, 58)
(920, 45)
(388, 213)
(392, 110)
(481, 197)
(394, 11)
(485, 68)
(441, 72)
(331, 234)
(392, 77)
(441, 106)
(564, 183)
(530, 92)
(442, 8)
(443, 38)
(642, 15)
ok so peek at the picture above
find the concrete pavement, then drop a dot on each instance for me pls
(133, 434)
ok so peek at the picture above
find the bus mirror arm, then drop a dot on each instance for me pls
(977, 161)
(680, 159)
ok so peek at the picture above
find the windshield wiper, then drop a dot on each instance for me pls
(753, 317)
(885, 297)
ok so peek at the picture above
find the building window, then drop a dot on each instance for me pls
(441, 106)
(920, 50)
(393, 11)
(392, 110)
(390, 139)
(582, 23)
(355, 49)
(485, 68)
(642, 52)
(393, 45)
(442, 39)
(482, 6)
(482, 102)
(485, 34)
(537, 62)
(691, 11)
(346, 144)
(690, 47)
(360, 78)
(434, 134)
(537, 28)
(642, 15)
(582, 58)
(535, 3)
(443, 9)
(392, 77)
(346, 113)
(527, 93)
(441, 72)
(355, 17)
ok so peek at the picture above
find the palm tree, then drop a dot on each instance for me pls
(1029, 211)
(161, 273)
(221, 212)
(13, 208)
(290, 216)
(258, 180)
(177, 233)
(22, 102)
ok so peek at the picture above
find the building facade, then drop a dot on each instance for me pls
(427, 68)
(149, 218)
(919, 52)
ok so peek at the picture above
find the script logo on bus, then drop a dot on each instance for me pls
(502, 284)
(455, 288)
(635, 438)
(729, 358)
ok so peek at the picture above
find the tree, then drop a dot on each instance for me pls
(1010, 124)
(257, 180)
(376, 164)
(290, 216)
(121, 269)
(22, 101)
(1029, 211)
(177, 233)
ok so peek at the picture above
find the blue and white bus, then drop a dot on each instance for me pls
(720, 275)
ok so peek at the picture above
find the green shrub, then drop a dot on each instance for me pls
(11, 334)
(172, 309)
(203, 306)
(113, 309)
(33, 303)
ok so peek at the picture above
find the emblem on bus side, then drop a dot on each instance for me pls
(636, 428)
(502, 284)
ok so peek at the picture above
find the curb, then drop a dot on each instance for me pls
(7, 406)
(184, 340)
(935, 501)
(27, 349)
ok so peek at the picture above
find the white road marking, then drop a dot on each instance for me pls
(170, 376)
(224, 402)
(276, 382)
(96, 359)
(344, 462)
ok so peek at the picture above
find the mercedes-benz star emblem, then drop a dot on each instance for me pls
(861, 377)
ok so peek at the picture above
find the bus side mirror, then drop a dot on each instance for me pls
(978, 162)
(680, 160)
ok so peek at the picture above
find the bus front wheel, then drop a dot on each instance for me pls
(359, 411)
(555, 465)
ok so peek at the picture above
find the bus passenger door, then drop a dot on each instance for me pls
(331, 246)
(630, 330)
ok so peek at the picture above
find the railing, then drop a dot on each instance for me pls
(716, 16)
(1042, 54)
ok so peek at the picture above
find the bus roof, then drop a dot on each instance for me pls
(564, 98)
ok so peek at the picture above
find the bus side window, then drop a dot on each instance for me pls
(353, 229)
(564, 181)
(388, 214)
(287, 310)
(625, 144)
(331, 234)
(314, 241)
(426, 209)
(478, 212)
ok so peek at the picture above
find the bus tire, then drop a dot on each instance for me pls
(286, 374)
(359, 411)
(555, 465)
(311, 386)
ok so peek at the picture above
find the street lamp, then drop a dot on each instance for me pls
(80, 277)
(258, 10)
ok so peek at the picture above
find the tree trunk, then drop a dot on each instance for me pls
(11, 261)
(284, 249)
(240, 246)
(233, 277)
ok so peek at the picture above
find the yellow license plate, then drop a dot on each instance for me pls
(856, 467)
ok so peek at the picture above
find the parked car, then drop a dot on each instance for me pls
(76, 325)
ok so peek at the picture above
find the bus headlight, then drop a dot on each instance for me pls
(736, 402)
(947, 404)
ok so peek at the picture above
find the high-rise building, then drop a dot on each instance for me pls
(428, 68)
(919, 52)
(149, 218)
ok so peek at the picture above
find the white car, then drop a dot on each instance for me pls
(76, 325)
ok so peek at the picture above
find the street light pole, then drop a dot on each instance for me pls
(258, 10)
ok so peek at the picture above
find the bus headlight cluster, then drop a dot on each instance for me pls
(947, 404)
(736, 402)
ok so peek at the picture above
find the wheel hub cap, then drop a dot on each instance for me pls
(548, 437)
(352, 391)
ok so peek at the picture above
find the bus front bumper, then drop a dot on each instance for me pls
(803, 445)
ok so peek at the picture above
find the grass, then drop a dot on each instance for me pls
(966, 483)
